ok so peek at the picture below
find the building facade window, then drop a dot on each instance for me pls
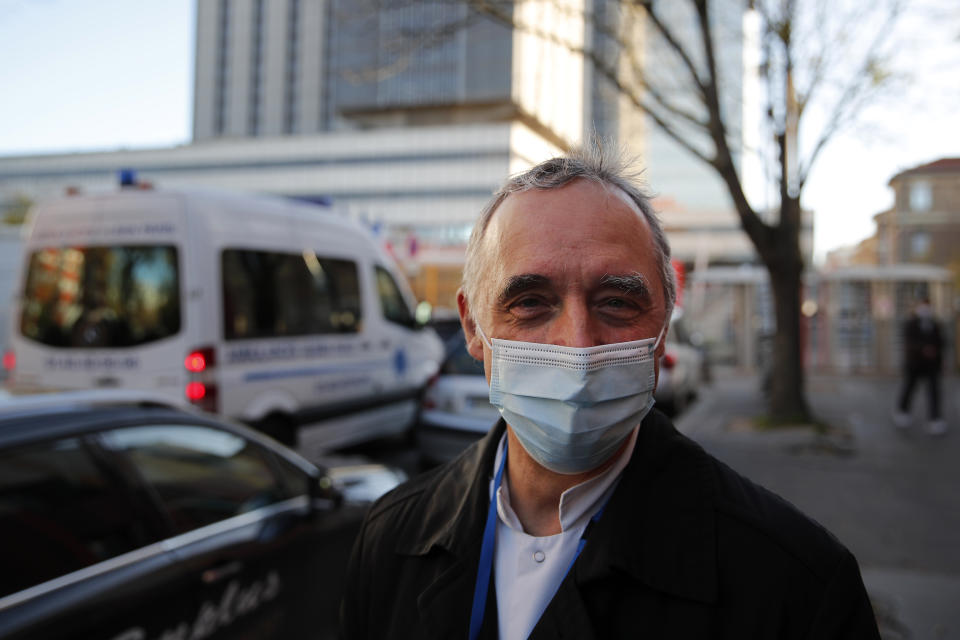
(292, 71)
(921, 196)
(256, 69)
(223, 69)
(919, 244)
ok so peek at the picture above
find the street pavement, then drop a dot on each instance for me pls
(891, 496)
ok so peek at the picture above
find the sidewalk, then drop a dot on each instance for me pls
(892, 497)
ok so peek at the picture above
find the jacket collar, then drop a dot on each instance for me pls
(659, 526)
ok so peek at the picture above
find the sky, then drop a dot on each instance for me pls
(81, 75)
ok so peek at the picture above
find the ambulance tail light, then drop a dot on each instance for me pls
(201, 389)
(200, 359)
(9, 361)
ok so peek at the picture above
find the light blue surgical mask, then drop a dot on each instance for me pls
(571, 408)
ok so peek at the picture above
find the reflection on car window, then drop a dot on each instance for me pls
(269, 294)
(101, 296)
(59, 513)
(395, 308)
(201, 475)
(294, 478)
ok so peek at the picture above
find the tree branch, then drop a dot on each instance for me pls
(866, 82)
(673, 43)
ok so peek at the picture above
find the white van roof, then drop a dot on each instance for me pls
(238, 203)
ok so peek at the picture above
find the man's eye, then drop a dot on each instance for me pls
(527, 303)
(616, 303)
(621, 308)
(527, 307)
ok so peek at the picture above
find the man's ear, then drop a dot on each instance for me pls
(474, 343)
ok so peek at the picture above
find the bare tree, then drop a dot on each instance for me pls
(820, 63)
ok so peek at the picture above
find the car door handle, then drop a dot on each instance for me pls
(216, 574)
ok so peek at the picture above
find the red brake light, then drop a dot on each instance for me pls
(199, 359)
(196, 391)
(9, 360)
(195, 362)
(668, 361)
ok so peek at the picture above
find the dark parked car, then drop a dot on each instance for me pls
(126, 519)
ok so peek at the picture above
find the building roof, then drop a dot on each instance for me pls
(943, 165)
(889, 273)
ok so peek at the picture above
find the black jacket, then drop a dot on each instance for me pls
(923, 343)
(686, 548)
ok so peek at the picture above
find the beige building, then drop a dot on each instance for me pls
(923, 226)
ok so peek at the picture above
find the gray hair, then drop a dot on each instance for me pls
(594, 162)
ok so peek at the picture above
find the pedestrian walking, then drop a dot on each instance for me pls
(923, 359)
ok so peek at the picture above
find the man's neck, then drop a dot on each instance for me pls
(535, 490)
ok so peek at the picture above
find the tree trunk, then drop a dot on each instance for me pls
(785, 263)
(787, 389)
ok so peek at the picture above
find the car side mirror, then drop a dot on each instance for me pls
(324, 495)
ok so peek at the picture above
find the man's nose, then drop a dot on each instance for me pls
(573, 327)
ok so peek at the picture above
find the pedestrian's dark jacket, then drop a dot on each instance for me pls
(686, 548)
(923, 344)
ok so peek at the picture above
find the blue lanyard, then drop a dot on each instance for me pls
(486, 552)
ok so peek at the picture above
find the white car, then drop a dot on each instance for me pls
(681, 369)
(456, 407)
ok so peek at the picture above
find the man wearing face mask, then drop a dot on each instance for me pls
(583, 513)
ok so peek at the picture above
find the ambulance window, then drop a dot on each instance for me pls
(60, 512)
(395, 308)
(267, 294)
(101, 296)
(201, 475)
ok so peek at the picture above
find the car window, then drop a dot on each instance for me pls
(395, 308)
(294, 479)
(679, 333)
(268, 294)
(95, 297)
(60, 512)
(200, 474)
(460, 362)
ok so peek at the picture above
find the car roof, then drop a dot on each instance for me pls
(45, 416)
(39, 403)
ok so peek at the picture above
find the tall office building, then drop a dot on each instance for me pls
(288, 67)
(294, 67)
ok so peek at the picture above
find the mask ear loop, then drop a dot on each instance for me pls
(663, 332)
(482, 337)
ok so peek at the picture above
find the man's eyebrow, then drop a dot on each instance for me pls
(518, 284)
(633, 283)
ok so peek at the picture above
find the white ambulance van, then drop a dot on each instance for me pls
(280, 314)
